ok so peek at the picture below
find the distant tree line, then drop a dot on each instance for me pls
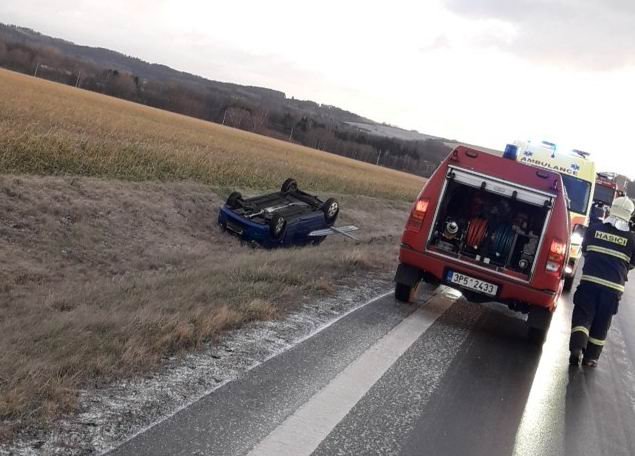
(259, 110)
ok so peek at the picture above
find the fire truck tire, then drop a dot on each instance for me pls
(538, 322)
(405, 293)
(537, 336)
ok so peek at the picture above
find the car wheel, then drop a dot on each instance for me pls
(234, 200)
(331, 209)
(277, 226)
(290, 185)
(568, 283)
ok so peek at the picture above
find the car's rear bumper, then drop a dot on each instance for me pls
(515, 293)
(243, 227)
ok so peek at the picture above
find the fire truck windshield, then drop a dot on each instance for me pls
(604, 194)
(578, 192)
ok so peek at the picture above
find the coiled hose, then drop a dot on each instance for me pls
(502, 240)
(476, 232)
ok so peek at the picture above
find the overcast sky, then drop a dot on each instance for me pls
(482, 71)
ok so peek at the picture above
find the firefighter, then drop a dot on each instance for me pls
(609, 253)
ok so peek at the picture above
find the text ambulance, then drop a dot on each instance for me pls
(578, 175)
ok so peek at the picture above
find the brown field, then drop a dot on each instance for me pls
(111, 258)
(52, 129)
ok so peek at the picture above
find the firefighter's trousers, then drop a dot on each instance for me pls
(594, 307)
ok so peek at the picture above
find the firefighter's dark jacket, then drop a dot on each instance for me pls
(609, 255)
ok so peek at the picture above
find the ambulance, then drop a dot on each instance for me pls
(579, 176)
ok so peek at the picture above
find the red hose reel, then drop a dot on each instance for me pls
(476, 232)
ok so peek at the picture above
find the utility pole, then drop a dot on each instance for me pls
(224, 115)
(79, 76)
(36, 68)
(379, 156)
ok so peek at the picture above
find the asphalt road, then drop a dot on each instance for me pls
(442, 377)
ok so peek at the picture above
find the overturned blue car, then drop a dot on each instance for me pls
(285, 218)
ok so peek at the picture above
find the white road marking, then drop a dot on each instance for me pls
(302, 432)
(541, 429)
(167, 416)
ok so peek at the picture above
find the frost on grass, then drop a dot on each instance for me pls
(104, 281)
(108, 416)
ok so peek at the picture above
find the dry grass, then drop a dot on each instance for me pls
(102, 279)
(52, 129)
(117, 262)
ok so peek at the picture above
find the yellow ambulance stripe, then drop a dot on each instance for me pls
(605, 251)
(606, 283)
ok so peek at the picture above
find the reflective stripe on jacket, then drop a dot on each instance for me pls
(609, 254)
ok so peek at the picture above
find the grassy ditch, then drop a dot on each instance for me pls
(104, 279)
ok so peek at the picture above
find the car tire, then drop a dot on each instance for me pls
(290, 185)
(234, 200)
(403, 292)
(277, 225)
(568, 284)
(331, 209)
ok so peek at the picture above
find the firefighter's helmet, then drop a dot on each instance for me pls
(622, 208)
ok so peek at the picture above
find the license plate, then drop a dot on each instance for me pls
(472, 283)
(234, 228)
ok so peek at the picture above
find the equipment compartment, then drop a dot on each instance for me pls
(498, 231)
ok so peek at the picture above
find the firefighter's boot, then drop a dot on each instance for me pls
(576, 357)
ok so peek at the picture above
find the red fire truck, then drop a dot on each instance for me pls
(492, 227)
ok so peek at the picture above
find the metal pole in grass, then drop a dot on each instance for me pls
(36, 68)
(79, 77)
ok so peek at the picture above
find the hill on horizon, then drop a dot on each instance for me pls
(261, 110)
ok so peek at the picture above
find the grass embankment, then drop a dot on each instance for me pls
(52, 129)
(102, 277)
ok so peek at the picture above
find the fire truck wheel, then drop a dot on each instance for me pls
(405, 293)
(537, 336)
